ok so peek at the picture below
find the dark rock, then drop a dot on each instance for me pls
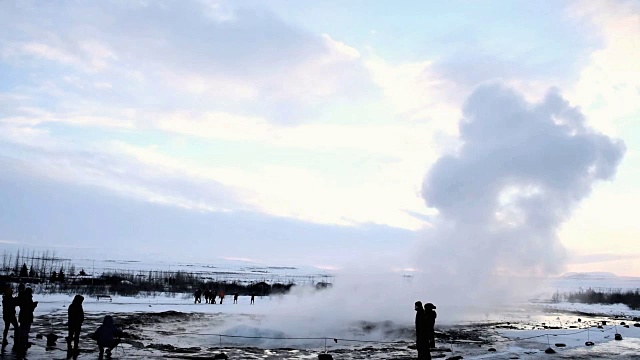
(560, 345)
(618, 337)
(623, 323)
(589, 343)
(550, 351)
(221, 356)
(135, 344)
(174, 349)
(491, 349)
(325, 357)
(51, 339)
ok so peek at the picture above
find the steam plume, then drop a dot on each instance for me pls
(520, 171)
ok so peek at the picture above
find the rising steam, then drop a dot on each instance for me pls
(520, 171)
(518, 174)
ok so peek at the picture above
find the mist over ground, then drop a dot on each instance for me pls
(519, 172)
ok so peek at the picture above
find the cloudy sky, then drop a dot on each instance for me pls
(323, 133)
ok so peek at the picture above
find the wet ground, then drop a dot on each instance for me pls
(181, 335)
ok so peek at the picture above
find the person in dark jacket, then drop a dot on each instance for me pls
(9, 304)
(27, 307)
(235, 298)
(107, 336)
(197, 296)
(422, 344)
(76, 317)
(430, 315)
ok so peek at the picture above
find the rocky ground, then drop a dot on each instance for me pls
(181, 335)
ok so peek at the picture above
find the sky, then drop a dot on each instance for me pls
(338, 135)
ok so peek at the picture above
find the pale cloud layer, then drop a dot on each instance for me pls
(225, 107)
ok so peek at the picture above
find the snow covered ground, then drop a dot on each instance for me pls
(303, 324)
(167, 326)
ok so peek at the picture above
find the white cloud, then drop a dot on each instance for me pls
(88, 55)
(396, 140)
(416, 91)
(305, 194)
(48, 52)
(35, 116)
(608, 89)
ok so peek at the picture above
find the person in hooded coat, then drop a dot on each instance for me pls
(27, 307)
(197, 297)
(107, 336)
(9, 304)
(422, 343)
(76, 317)
(430, 315)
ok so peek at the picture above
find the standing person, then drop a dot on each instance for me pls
(430, 315)
(197, 296)
(253, 298)
(107, 336)
(76, 317)
(422, 344)
(221, 296)
(235, 298)
(214, 293)
(9, 304)
(27, 307)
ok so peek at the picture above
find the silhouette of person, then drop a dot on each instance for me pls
(76, 318)
(207, 296)
(107, 336)
(9, 304)
(253, 298)
(221, 296)
(422, 344)
(27, 307)
(235, 298)
(430, 316)
(197, 297)
(214, 293)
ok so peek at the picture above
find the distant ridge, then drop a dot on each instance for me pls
(589, 275)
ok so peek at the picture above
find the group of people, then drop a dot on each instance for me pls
(21, 323)
(210, 296)
(107, 335)
(425, 332)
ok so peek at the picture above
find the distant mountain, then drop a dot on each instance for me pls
(589, 275)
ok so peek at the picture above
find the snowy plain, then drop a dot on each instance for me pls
(370, 315)
(293, 327)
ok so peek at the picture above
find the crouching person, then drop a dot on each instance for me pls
(107, 336)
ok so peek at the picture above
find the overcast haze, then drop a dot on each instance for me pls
(329, 134)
